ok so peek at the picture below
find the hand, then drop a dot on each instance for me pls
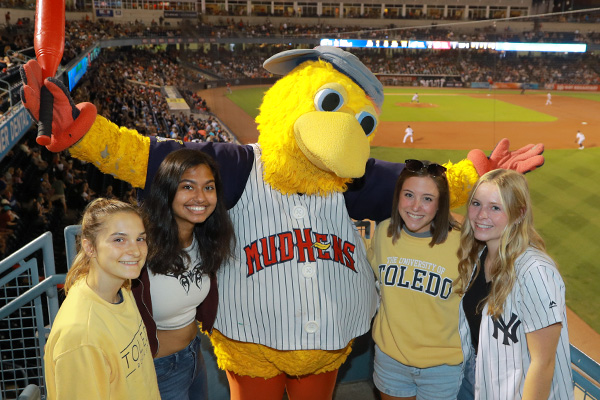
(70, 122)
(523, 160)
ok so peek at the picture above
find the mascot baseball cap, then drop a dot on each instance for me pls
(347, 63)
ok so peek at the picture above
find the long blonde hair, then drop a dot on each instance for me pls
(516, 237)
(92, 222)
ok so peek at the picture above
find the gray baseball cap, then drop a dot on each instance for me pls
(346, 63)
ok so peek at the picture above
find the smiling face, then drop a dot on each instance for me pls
(418, 203)
(195, 200)
(487, 215)
(119, 251)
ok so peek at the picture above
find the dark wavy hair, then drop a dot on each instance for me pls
(442, 223)
(215, 236)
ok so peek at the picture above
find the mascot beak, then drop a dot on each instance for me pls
(334, 142)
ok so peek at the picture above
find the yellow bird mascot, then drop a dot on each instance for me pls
(300, 288)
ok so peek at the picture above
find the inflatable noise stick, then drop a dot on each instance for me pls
(49, 44)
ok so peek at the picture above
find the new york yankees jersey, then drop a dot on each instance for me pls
(536, 301)
(300, 278)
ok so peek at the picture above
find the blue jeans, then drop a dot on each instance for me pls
(467, 388)
(182, 375)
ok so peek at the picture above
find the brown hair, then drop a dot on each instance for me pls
(442, 223)
(92, 222)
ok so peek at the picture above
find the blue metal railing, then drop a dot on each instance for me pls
(29, 306)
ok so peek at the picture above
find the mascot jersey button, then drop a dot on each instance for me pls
(311, 326)
(308, 271)
(299, 212)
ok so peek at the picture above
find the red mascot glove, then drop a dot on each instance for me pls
(70, 122)
(523, 160)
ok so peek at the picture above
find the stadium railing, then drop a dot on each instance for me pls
(29, 304)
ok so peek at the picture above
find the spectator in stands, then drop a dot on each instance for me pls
(97, 348)
(58, 190)
(8, 195)
(17, 177)
(37, 160)
(8, 175)
(7, 217)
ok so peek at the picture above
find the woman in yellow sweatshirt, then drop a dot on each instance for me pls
(98, 346)
(418, 353)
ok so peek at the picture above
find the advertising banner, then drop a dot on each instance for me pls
(13, 127)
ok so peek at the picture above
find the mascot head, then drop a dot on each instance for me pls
(317, 121)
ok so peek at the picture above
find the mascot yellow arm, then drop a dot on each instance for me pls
(461, 178)
(123, 153)
(115, 150)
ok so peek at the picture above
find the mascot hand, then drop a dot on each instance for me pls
(70, 122)
(523, 160)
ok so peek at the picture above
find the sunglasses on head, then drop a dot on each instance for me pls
(417, 166)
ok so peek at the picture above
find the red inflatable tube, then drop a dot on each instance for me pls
(49, 35)
(49, 44)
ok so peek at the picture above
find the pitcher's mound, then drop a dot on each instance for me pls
(416, 105)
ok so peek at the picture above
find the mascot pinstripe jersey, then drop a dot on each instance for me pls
(305, 282)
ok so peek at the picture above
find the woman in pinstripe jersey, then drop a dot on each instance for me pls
(513, 323)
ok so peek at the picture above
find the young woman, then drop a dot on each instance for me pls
(98, 347)
(188, 222)
(417, 352)
(513, 316)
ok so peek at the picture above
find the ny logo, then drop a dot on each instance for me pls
(510, 330)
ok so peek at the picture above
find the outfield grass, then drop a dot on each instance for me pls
(566, 197)
(443, 105)
(566, 208)
(248, 99)
(448, 107)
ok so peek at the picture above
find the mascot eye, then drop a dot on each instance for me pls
(328, 100)
(367, 121)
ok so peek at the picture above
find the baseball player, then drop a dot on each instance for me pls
(549, 99)
(517, 328)
(579, 138)
(409, 134)
(415, 98)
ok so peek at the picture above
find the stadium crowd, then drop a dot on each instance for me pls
(39, 190)
(228, 65)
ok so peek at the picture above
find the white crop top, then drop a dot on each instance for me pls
(175, 297)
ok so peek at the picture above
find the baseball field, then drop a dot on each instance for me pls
(448, 123)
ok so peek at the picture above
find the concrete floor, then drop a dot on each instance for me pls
(356, 391)
(362, 390)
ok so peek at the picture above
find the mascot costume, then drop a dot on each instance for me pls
(299, 288)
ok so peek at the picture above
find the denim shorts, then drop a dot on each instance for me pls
(398, 380)
(182, 375)
(467, 387)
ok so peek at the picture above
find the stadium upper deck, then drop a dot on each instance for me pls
(519, 15)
